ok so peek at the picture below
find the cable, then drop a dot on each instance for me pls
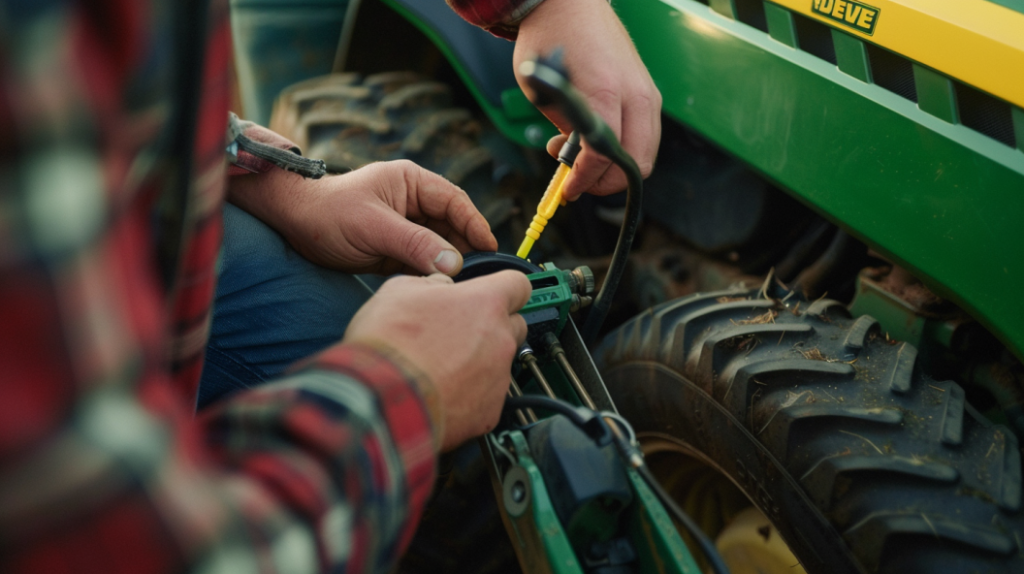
(706, 546)
(547, 78)
(561, 407)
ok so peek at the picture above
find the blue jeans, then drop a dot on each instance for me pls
(272, 308)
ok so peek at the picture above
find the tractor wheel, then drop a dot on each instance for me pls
(349, 121)
(861, 462)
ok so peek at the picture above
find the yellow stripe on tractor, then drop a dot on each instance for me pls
(975, 41)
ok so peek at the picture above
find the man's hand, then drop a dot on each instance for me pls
(384, 218)
(462, 336)
(605, 68)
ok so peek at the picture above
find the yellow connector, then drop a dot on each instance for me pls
(545, 210)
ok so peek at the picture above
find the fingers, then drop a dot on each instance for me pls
(641, 129)
(593, 173)
(432, 196)
(416, 246)
(518, 328)
(438, 278)
(515, 287)
(555, 144)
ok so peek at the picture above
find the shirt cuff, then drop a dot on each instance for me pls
(408, 400)
(252, 148)
(499, 17)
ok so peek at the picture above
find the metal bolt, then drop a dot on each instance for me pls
(584, 280)
(518, 492)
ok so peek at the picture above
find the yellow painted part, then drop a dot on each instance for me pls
(977, 42)
(751, 545)
(545, 210)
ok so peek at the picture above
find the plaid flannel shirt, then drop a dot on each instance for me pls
(104, 466)
(499, 17)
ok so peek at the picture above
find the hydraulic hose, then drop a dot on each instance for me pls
(551, 85)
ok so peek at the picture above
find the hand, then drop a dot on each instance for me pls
(384, 218)
(462, 336)
(605, 68)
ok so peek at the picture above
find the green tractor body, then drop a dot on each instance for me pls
(916, 162)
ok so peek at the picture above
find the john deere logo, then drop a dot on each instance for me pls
(860, 17)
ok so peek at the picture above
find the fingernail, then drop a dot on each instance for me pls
(446, 261)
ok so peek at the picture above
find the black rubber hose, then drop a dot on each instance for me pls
(554, 405)
(552, 86)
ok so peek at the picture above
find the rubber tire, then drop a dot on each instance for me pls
(862, 463)
(350, 121)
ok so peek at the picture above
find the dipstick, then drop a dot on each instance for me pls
(552, 196)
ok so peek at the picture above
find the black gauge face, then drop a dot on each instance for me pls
(478, 263)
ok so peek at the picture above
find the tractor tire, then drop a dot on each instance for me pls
(863, 463)
(350, 121)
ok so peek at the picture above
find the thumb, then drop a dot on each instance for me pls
(417, 247)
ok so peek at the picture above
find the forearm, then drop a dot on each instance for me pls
(274, 197)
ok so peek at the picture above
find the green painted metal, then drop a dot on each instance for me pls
(780, 24)
(899, 321)
(1018, 126)
(532, 130)
(936, 94)
(550, 290)
(726, 8)
(939, 198)
(539, 528)
(852, 56)
(666, 552)
(544, 546)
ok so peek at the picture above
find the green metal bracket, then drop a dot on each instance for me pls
(936, 94)
(651, 523)
(780, 24)
(537, 532)
(726, 8)
(539, 527)
(550, 290)
(852, 56)
(901, 322)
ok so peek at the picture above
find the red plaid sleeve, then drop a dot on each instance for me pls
(499, 17)
(103, 466)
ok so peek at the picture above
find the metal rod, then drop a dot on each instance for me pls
(563, 362)
(519, 413)
(515, 391)
(531, 363)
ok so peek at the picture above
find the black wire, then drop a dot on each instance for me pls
(609, 147)
(553, 405)
(551, 84)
